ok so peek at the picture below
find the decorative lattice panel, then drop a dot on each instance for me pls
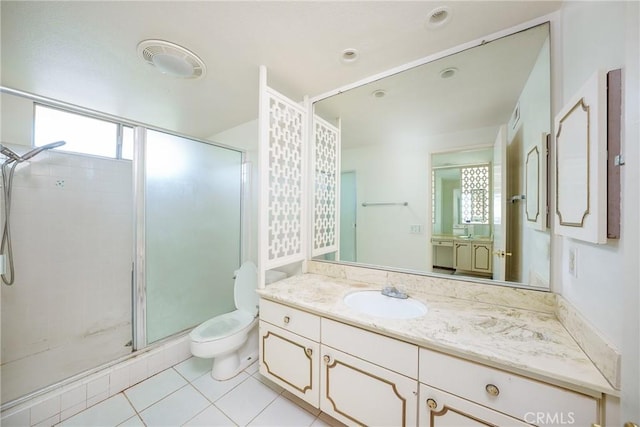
(325, 203)
(475, 194)
(285, 180)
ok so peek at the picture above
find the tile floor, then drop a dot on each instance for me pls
(187, 395)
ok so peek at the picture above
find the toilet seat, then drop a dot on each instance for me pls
(222, 326)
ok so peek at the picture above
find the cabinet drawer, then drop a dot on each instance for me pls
(447, 243)
(387, 352)
(508, 393)
(291, 319)
(438, 408)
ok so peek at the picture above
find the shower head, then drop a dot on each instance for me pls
(11, 156)
(38, 150)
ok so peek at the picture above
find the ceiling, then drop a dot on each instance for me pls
(421, 108)
(84, 53)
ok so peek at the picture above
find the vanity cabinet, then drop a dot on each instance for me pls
(364, 378)
(289, 349)
(493, 397)
(472, 255)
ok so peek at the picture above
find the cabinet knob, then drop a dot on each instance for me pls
(492, 390)
(308, 351)
(286, 319)
(432, 404)
(326, 358)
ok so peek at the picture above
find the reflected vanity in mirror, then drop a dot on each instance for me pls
(437, 164)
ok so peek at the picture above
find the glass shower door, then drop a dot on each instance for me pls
(192, 226)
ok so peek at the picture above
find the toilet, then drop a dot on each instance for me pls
(231, 339)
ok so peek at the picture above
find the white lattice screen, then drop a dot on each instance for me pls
(326, 164)
(282, 154)
(475, 194)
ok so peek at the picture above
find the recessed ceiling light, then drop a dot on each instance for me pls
(380, 93)
(438, 17)
(447, 73)
(171, 59)
(349, 55)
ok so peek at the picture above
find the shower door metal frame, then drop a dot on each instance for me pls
(138, 274)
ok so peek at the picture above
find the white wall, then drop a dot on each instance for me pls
(584, 48)
(631, 195)
(391, 175)
(245, 137)
(532, 251)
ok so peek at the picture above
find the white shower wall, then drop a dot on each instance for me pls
(72, 232)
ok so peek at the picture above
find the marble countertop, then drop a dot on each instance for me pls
(452, 237)
(530, 343)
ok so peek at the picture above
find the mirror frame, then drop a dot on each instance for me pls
(311, 101)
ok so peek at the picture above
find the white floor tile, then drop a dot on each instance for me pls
(111, 412)
(214, 389)
(319, 423)
(253, 368)
(283, 412)
(155, 388)
(175, 409)
(246, 401)
(134, 421)
(210, 417)
(194, 367)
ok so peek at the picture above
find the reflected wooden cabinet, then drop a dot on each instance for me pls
(462, 255)
(471, 255)
(481, 257)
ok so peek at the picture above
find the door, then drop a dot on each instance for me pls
(348, 205)
(499, 220)
(192, 215)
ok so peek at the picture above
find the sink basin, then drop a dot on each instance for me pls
(374, 303)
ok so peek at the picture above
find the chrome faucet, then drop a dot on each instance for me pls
(393, 292)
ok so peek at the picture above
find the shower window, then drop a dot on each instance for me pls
(83, 134)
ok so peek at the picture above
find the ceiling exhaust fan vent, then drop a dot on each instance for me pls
(171, 59)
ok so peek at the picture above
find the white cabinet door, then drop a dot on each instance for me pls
(462, 255)
(440, 409)
(290, 361)
(356, 392)
(481, 257)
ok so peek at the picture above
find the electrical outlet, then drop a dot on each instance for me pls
(415, 229)
(573, 262)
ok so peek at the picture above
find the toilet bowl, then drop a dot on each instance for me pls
(231, 339)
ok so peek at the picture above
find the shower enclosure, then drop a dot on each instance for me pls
(112, 255)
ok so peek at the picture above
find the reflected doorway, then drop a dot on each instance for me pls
(348, 219)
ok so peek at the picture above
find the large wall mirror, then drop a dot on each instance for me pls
(434, 174)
